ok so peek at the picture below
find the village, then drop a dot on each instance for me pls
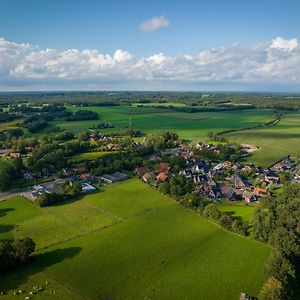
(225, 180)
(213, 179)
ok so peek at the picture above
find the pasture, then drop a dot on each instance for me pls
(136, 243)
(189, 126)
(274, 142)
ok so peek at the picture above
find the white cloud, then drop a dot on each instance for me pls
(281, 43)
(154, 24)
(274, 63)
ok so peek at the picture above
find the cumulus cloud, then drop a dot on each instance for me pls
(154, 24)
(273, 63)
(281, 43)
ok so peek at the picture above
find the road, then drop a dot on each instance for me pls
(27, 191)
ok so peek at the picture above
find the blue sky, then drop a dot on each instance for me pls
(106, 26)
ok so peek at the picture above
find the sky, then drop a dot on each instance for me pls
(212, 45)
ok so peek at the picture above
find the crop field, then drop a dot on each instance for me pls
(275, 142)
(189, 126)
(137, 243)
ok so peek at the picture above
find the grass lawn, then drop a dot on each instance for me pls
(275, 142)
(243, 211)
(129, 242)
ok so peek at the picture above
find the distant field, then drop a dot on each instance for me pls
(274, 142)
(189, 126)
(129, 242)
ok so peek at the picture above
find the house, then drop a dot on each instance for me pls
(141, 171)
(28, 149)
(67, 172)
(227, 164)
(112, 147)
(296, 178)
(239, 183)
(4, 152)
(227, 192)
(87, 188)
(201, 167)
(28, 176)
(249, 197)
(85, 176)
(163, 167)
(219, 167)
(148, 177)
(259, 192)
(80, 170)
(162, 177)
(271, 177)
(15, 154)
(115, 177)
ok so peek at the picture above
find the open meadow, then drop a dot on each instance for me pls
(275, 142)
(136, 243)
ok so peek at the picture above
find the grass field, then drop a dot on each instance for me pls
(275, 142)
(129, 242)
(243, 211)
(189, 126)
(87, 156)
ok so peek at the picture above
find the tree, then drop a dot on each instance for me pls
(211, 211)
(164, 187)
(23, 248)
(272, 290)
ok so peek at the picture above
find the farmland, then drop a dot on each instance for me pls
(275, 142)
(136, 242)
(189, 126)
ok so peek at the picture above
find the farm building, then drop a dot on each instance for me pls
(87, 188)
(115, 177)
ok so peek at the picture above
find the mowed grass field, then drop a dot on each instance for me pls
(189, 126)
(275, 142)
(129, 242)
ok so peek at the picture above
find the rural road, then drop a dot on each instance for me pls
(26, 191)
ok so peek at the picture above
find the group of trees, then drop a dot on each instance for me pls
(232, 152)
(81, 115)
(161, 140)
(235, 225)
(276, 221)
(15, 253)
(7, 117)
(10, 172)
(35, 123)
(176, 187)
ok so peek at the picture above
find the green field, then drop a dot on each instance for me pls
(87, 156)
(189, 126)
(243, 211)
(275, 142)
(129, 242)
